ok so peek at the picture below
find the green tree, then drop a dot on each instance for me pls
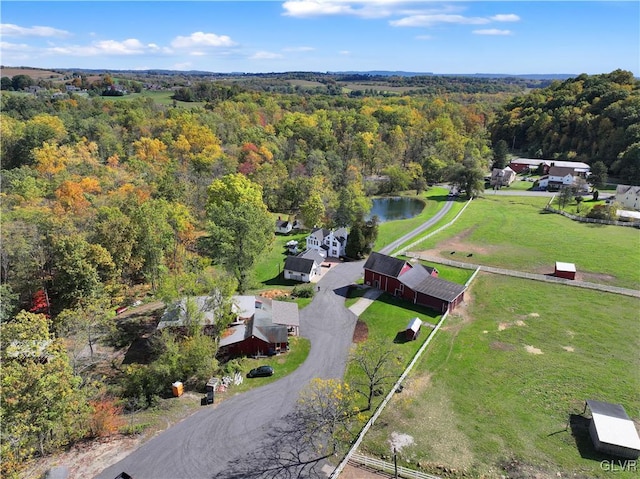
(598, 176)
(240, 227)
(468, 177)
(43, 406)
(500, 154)
(312, 210)
(82, 269)
(565, 195)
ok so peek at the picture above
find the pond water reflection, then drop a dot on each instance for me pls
(395, 208)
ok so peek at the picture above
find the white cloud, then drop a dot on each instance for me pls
(14, 47)
(359, 8)
(11, 30)
(201, 39)
(492, 31)
(431, 20)
(508, 17)
(131, 46)
(315, 8)
(263, 55)
(298, 49)
(344, 52)
(423, 37)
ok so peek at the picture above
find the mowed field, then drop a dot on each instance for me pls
(500, 391)
(504, 382)
(515, 233)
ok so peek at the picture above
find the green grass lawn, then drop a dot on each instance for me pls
(268, 268)
(386, 320)
(501, 381)
(514, 233)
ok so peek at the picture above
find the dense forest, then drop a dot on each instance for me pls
(587, 118)
(107, 200)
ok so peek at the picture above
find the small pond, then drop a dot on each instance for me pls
(395, 208)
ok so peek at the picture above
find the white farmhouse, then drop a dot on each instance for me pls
(330, 244)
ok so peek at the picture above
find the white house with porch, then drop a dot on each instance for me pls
(330, 244)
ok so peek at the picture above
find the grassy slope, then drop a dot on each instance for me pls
(513, 233)
(479, 397)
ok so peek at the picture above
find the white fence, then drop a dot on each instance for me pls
(381, 465)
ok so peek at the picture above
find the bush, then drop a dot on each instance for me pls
(303, 291)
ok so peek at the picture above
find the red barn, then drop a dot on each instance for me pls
(565, 270)
(418, 284)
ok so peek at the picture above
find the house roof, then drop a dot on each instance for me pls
(282, 223)
(262, 327)
(576, 165)
(613, 425)
(234, 334)
(430, 269)
(319, 233)
(312, 254)
(561, 171)
(419, 280)
(285, 313)
(244, 306)
(383, 264)
(299, 264)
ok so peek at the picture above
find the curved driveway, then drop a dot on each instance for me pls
(216, 441)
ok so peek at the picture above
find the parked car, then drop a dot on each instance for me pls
(261, 371)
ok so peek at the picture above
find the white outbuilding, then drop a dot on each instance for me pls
(612, 431)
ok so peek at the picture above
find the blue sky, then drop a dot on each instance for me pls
(515, 37)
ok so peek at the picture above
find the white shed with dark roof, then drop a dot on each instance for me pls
(612, 431)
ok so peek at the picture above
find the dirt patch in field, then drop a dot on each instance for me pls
(275, 293)
(503, 326)
(533, 349)
(500, 346)
(457, 248)
(462, 312)
(87, 459)
(568, 348)
(361, 333)
(399, 440)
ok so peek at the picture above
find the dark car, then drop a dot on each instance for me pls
(261, 371)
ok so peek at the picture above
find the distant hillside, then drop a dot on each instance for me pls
(41, 73)
(35, 73)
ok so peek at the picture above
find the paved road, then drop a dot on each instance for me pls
(427, 224)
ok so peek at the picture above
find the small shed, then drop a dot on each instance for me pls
(565, 270)
(612, 431)
(413, 329)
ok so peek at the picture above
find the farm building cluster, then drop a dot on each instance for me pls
(261, 326)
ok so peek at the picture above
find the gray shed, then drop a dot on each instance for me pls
(612, 431)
